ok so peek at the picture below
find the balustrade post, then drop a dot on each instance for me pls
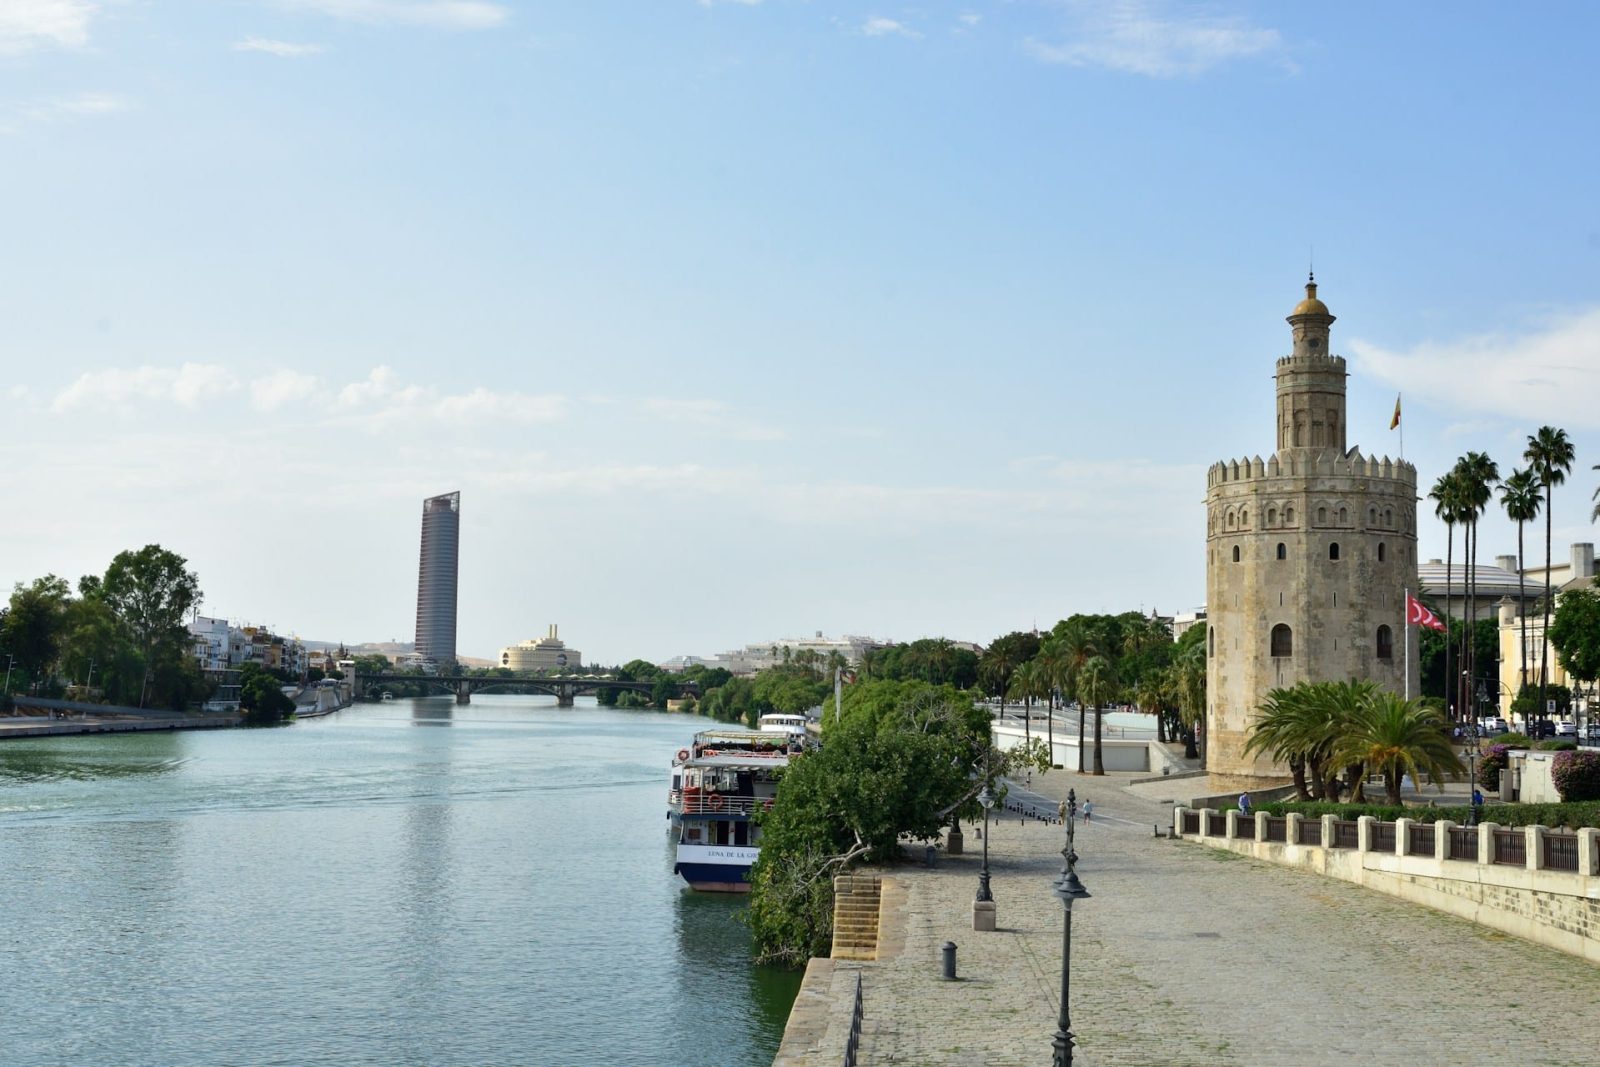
(1328, 832)
(1588, 838)
(1441, 839)
(1291, 827)
(1533, 849)
(1231, 822)
(1261, 825)
(1486, 842)
(1402, 836)
(1177, 819)
(1364, 824)
(1205, 822)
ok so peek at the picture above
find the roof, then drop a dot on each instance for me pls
(1437, 579)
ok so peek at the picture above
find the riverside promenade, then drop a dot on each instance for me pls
(1183, 955)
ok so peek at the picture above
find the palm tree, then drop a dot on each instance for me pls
(1549, 455)
(1077, 647)
(1519, 495)
(1477, 473)
(1401, 737)
(1096, 683)
(1024, 687)
(1446, 495)
(1188, 680)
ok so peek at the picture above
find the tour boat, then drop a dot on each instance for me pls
(719, 784)
(776, 722)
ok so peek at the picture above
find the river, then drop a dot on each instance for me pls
(402, 883)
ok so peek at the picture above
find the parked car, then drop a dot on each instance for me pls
(1539, 730)
(1494, 725)
(1566, 729)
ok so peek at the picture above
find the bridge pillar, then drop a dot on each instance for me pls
(463, 692)
(566, 697)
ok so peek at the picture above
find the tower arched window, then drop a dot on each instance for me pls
(1244, 517)
(1380, 551)
(1282, 641)
(1236, 553)
(1283, 550)
(1388, 516)
(1272, 516)
(1288, 515)
(1230, 520)
(1333, 551)
(1372, 516)
(1322, 516)
(1344, 516)
(1385, 643)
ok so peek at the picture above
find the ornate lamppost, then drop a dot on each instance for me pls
(1067, 889)
(986, 798)
(1470, 730)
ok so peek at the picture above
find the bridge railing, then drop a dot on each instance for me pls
(698, 803)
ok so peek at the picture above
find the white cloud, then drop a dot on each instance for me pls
(282, 387)
(1138, 37)
(969, 19)
(713, 3)
(1547, 375)
(58, 109)
(379, 402)
(117, 389)
(282, 49)
(439, 14)
(30, 24)
(878, 26)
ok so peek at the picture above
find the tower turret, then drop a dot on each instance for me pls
(1311, 381)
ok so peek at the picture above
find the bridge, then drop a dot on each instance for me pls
(565, 688)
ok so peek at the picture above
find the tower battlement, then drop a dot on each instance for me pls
(1297, 463)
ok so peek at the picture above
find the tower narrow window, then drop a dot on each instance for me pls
(1288, 515)
(1322, 516)
(1333, 550)
(1283, 550)
(1236, 553)
(1282, 641)
(1385, 643)
(1344, 516)
(1380, 551)
(1272, 516)
(1211, 641)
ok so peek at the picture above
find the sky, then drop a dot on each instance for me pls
(741, 319)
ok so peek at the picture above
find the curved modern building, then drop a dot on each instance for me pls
(436, 578)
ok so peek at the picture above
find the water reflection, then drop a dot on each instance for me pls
(69, 759)
(713, 943)
(433, 712)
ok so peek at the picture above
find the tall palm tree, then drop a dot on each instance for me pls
(1477, 472)
(1024, 687)
(1400, 737)
(1519, 495)
(1000, 661)
(1096, 683)
(1189, 686)
(1077, 647)
(1549, 455)
(1446, 496)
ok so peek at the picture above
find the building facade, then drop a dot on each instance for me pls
(437, 572)
(1308, 555)
(1522, 633)
(548, 653)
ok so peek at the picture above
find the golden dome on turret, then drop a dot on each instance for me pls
(1310, 305)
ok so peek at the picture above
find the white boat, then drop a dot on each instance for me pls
(776, 722)
(720, 784)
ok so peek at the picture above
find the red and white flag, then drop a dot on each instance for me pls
(1418, 615)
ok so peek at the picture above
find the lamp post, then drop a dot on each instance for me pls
(1067, 889)
(1471, 737)
(986, 798)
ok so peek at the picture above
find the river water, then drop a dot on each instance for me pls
(399, 883)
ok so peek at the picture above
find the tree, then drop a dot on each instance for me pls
(1303, 725)
(1575, 633)
(1476, 473)
(1096, 684)
(261, 696)
(152, 591)
(1549, 455)
(33, 626)
(1399, 737)
(1002, 658)
(1446, 495)
(1519, 495)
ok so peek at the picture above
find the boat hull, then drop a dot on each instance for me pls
(716, 868)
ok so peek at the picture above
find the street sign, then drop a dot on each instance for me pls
(1549, 707)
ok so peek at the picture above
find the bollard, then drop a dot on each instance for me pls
(1157, 828)
(949, 953)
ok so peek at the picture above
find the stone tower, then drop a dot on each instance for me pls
(1308, 555)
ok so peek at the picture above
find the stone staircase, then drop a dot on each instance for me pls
(855, 916)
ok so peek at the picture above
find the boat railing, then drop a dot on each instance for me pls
(699, 803)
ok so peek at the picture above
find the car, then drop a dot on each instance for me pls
(1495, 725)
(1541, 729)
(1566, 729)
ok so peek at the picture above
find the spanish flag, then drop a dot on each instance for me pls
(1396, 420)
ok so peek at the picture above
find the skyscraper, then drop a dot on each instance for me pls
(436, 578)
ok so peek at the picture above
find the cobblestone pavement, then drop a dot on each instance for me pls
(1190, 955)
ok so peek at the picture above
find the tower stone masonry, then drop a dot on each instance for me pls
(1308, 556)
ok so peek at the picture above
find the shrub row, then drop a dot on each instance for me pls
(1573, 815)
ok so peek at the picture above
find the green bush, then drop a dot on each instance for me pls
(1577, 775)
(1489, 768)
(1556, 746)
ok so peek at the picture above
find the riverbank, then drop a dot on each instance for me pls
(1181, 955)
(58, 718)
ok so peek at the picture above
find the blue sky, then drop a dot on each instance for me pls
(733, 320)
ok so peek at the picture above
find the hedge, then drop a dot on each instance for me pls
(1576, 775)
(1574, 815)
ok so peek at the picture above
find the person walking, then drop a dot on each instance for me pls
(1244, 803)
(1088, 810)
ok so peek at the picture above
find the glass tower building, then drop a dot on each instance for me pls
(436, 577)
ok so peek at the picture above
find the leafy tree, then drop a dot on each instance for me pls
(261, 696)
(33, 626)
(152, 592)
(1549, 455)
(1575, 633)
(665, 689)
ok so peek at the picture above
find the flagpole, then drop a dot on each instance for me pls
(1405, 621)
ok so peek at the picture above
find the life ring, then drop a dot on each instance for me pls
(683, 754)
(716, 802)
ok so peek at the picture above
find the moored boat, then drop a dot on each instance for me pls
(720, 784)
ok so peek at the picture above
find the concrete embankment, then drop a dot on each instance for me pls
(1182, 955)
(39, 717)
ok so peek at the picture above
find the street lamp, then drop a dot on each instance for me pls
(1471, 736)
(1067, 889)
(986, 798)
